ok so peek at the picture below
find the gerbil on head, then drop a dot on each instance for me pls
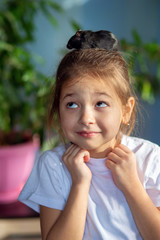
(88, 39)
(75, 41)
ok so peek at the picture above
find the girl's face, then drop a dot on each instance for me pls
(90, 115)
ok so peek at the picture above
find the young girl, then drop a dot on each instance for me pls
(100, 184)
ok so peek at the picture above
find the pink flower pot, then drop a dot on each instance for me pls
(16, 163)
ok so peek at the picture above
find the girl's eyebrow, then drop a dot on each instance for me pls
(96, 93)
(68, 95)
(103, 94)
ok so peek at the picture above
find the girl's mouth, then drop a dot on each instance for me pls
(88, 134)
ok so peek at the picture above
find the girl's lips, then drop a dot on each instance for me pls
(88, 134)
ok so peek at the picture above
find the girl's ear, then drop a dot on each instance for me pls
(128, 108)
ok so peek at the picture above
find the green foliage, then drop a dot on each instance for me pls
(23, 89)
(76, 26)
(144, 63)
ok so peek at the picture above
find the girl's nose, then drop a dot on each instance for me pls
(87, 117)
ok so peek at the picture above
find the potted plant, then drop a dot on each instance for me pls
(23, 91)
(144, 63)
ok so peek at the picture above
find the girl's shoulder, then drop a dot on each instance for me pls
(144, 146)
(147, 156)
(53, 155)
(51, 161)
(49, 182)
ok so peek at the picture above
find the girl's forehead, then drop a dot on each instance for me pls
(89, 86)
(87, 82)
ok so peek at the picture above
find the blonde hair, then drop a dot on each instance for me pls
(109, 66)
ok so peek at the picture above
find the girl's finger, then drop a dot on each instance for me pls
(77, 152)
(86, 158)
(114, 157)
(110, 164)
(71, 150)
(124, 148)
(83, 155)
(119, 152)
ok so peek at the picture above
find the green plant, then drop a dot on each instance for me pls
(144, 63)
(23, 89)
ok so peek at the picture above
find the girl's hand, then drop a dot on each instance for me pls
(122, 162)
(74, 159)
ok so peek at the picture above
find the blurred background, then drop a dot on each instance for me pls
(33, 38)
(122, 18)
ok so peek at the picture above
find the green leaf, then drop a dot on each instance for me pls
(28, 76)
(147, 94)
(75, 25)
(5, 46)
(142, 63)
(51, 19)
(136, 37)
(158, 71)
(152, 47)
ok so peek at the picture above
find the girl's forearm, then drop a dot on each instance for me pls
(145, 214)
(71, 223)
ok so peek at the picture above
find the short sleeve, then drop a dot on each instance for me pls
(152, 179)
(48, 184)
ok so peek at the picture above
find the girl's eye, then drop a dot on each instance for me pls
(72, 105)
(101, 104)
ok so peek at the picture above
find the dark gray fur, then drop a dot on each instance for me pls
(88, 39)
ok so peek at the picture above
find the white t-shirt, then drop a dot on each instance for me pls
(108, 216)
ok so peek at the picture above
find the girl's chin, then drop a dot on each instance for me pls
(83, 146)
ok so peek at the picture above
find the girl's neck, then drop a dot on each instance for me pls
(107, 150)
(103, 154)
